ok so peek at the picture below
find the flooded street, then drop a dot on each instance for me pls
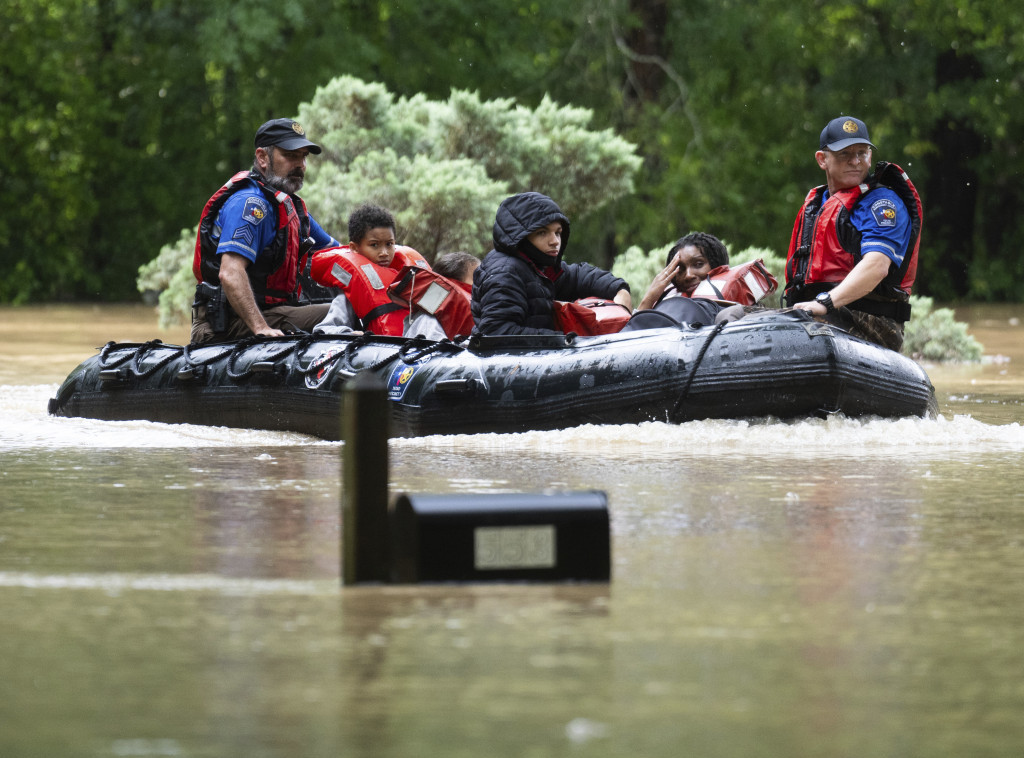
(817, 588)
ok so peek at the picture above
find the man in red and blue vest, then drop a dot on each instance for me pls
(853, 254)
(254, 242)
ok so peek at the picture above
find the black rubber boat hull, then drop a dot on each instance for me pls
(775, 365)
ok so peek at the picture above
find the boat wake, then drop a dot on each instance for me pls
(27, 425)
(762, 438)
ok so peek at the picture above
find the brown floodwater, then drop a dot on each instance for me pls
(816, 588)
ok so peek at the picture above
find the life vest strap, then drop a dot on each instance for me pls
(381, 310)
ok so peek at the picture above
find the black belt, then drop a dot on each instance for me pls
(894, 309)
(897, 310)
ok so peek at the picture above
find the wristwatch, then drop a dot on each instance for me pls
(825, 299)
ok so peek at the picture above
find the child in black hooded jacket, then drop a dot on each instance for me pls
(515, 286)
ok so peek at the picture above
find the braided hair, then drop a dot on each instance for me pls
(708, 244)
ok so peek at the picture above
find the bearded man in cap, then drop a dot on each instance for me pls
(254, 242)
(853, 254)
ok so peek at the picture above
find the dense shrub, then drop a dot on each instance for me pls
(934, 334)
(442, 168)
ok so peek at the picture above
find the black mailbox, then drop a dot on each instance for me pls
(544, 537)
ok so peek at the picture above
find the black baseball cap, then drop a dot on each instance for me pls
(285, 134)
(844, 131)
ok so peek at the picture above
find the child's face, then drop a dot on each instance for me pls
(378, 245)
(548, 239)
(693, 268)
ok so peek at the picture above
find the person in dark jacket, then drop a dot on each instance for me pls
(515, 286)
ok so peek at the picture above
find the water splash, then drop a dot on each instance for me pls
(761, 438)
(27, 425)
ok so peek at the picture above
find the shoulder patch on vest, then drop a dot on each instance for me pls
(255, 210)
(884, 211)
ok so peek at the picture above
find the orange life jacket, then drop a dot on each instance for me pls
(274, 274)
(590, 316)
(366, 284)
(745, 284)
(447, 300)
(825, 246)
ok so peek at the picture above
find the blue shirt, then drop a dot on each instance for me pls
(883, 222)
(246, 225)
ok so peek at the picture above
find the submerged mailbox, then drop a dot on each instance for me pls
(501, 537)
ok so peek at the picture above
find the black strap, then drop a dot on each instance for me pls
(381, 310)
(399, 285)
(897, 310)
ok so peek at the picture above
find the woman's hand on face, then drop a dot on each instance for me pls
(661, 282)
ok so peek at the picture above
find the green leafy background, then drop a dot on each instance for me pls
(120, 117)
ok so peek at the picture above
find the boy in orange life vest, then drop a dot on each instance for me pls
(688, 263)
(363, 269)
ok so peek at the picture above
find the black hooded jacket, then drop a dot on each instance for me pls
(511, 295)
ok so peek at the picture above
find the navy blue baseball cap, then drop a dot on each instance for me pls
(285, 134)
(844, 131)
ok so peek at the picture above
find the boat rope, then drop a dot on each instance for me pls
(289, 347)
(673, 415)
(106, 350)
(350, 350)
(422, 348)
(135, 352)
(191, 363)
(142, 350)
(425, 348)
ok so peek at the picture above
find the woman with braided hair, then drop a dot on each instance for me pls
(687, 264)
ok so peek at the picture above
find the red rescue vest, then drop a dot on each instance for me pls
(366, 284)
(825, 246)
(274, 274)
(590, 316)
(445, 299)
(745, 284)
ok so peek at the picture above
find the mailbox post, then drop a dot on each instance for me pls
(366, 415)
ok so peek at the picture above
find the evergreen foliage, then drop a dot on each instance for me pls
(442, 168)
(639, 268)
(169, 276)
(934, 334)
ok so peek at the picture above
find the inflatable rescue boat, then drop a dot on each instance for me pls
(773, 364)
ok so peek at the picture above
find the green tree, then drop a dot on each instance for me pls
(120, 117)
(730, 126)
(443, 167)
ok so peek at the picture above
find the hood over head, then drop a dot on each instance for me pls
(519, 216)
